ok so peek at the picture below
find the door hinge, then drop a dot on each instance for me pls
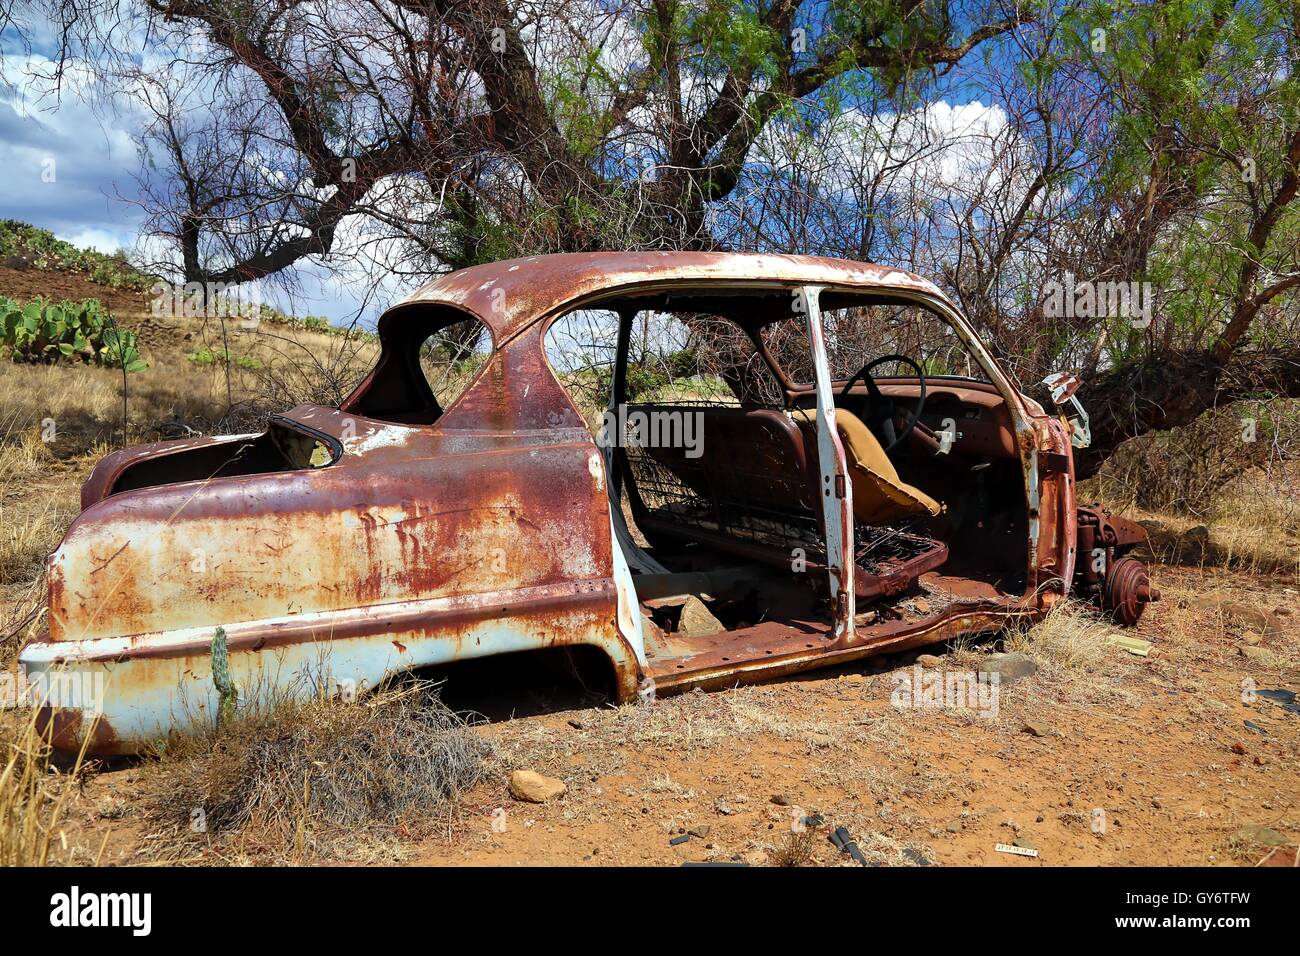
(839, 486)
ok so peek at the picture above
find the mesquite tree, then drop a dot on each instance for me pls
(1034, 156)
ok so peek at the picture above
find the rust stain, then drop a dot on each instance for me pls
(430, 524)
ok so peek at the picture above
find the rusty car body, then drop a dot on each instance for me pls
(389, 534)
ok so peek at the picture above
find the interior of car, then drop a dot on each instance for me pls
(729, 535)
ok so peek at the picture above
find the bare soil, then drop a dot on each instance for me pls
(1115, 760)
(1101, 757)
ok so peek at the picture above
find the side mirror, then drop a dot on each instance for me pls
(1063, 385)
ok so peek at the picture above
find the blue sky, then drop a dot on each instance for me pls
(71, 164)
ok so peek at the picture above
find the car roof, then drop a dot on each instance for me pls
(510, 294)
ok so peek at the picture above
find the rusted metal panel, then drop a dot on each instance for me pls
(486, 532)
(510, 295)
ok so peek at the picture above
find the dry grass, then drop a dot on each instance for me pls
(294, 367)
(30, 522)
(1077, 664)
(25, 542)
(797, 850)
(33, 798)
(316, 777)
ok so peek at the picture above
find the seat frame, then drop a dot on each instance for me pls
(753, 493)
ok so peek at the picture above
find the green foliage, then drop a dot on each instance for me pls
(44, 251)
(223, 357)
(311, 323)
(228, 694)
(645, 378)
(43, 331)
(651, 373)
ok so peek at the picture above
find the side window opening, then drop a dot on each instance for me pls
(582, 347)
(677, 358)
(702, 358)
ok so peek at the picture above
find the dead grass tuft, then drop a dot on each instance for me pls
(1077, 663)
(797, 850)
(309, 778)
(33, 797)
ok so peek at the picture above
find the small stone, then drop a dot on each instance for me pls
(700, 832)
(532, 787)
(929, 660)
(922, 605)
(723, 807)
(1239, 749)
(1253, 618)
(1009, 667)
(1033, 729)
(854, 679)
(1252, 638)
(576, 724)
(782, 799)
(1255, 833)
(954, 828)
(1024, 842)
(1258, 655)
(756, 858)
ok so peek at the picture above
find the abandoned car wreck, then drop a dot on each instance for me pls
(828, 510)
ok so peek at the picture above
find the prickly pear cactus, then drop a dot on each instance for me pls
(221, 678)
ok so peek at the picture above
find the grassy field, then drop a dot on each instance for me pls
(1099, 757)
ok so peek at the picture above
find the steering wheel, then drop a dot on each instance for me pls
(880, 410)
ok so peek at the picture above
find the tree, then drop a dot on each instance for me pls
(465, 130)
(1008, 147)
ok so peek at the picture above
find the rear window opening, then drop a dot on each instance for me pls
(284, 446)
(431, 354)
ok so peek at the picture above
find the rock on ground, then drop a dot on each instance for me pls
(533, 787)
(1010, 666)
(1254, 618)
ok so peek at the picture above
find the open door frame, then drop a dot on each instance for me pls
(832, 464)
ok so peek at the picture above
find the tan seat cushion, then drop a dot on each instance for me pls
(879, 495)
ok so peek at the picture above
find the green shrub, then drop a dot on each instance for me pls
(43, 331)
(208, 357)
